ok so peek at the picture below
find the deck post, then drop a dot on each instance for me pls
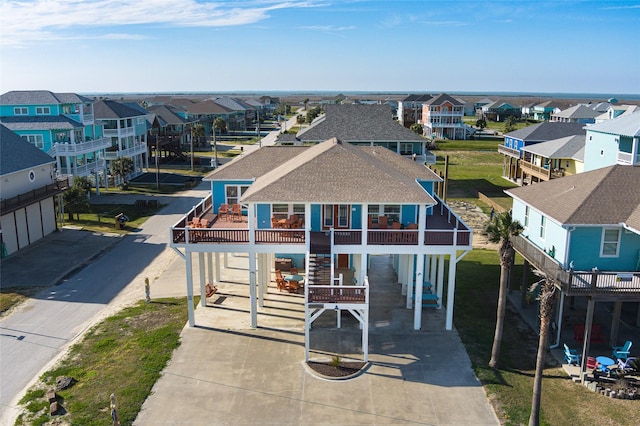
(210, 267)
(587, 338)
(403, 273)
(434, 270)
(419, 280)
(203, 296)
(440, 286)
(410, 286)
(615, 323)
(451, 289)
(189, 268)
(217, 267)
(252, 290)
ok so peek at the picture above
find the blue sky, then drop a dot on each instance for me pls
(324, 45)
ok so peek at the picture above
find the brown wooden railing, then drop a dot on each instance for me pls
(217, 236)
(337, 294)
(22, 200)
(280, 236)
(508, 151)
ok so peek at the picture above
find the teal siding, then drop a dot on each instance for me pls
(316, 217)
(408, 215)
(601, 150)
(585, 251)
(263, 216)
(356, 216)
(555, 237)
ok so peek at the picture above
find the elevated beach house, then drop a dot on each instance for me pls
(325, 208)
(584, 232)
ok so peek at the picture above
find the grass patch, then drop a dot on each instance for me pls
(509, 387)
(102, 217)
(124, 355)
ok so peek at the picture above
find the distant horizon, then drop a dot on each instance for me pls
(563, 95)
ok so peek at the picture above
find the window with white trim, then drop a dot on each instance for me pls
(233, 193)
(36, 140)
(610, 245)
(43, 110)
(283, 211)
(526, 216)
(328, 215)
(543, 227)
(392, 211)
(20, 111)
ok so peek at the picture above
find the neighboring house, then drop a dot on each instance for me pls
(410, 109)
(552, 159)
(577, 114)
(127, 129)
(615, 141)
(443, 117)
(340, 196)
(28, 191)
(60, 124)
(207, 111)
(169, 131)
(615, 111)
(515, 141)
(543, 111)
(584, 232)
(247, 112)
(499, 111)
(366, 125)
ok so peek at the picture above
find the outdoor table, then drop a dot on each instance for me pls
(298, 278)
(605, 363)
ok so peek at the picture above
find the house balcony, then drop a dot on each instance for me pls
(508, 151)
(601, 285)
(23, 200)
(128, 152)
(120, 133)
(541, 173)
(74, 149)
(443, 228)
(84, 169)
(626, 158)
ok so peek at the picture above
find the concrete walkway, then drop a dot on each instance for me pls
(224, 372)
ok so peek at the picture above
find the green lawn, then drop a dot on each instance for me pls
(102, 217)
(509, 387)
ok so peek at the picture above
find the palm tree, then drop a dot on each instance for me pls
(546, 297)
(502, 229)
(197, 131)
(218, 124)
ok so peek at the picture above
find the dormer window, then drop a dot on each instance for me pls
(43, 111)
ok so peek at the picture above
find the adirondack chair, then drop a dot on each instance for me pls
(223, 210)
(622, 352)
(571, 356)
(236, 211)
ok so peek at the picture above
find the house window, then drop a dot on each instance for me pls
(283, 211)
(543, 227)
(610, 242)
(392, 211)
(328, 216)
(36, 140)
(234, 193)
(43, 111)
(140, 120)
(20, 111)
(526, 217)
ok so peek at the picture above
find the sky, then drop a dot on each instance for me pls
(455, 46)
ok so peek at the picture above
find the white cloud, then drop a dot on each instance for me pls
(27, 22)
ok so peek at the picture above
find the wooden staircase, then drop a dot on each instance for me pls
(319, 269)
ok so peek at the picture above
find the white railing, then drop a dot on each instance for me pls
(128, 152)
(83, 170)
(65, 149)
(627, 158)
(127, 131)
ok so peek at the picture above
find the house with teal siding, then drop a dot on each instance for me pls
(325, 209)
(584, 232)
(61, 124)
(615, 141)
(126, 128)
(364, 125)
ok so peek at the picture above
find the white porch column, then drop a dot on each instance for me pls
(262, 284)
(365, 224)
(433, 269)
(363, 268)
(417, 313)
(189, 269)
(252, 289)
(203, 293)
(217, 268)
(210, 268)
(451, 288)
(403, 273)
(410, 286)
(440, 286)
(226, 259)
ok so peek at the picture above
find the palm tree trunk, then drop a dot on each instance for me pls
(502, 307)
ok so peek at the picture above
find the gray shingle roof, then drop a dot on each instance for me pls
(442, 98)
(40, 122)
(41, 97)
(576, 112)
(18, 154)
(167, 114)
(357, 123)
(567, 147)
(207, 107)
(330, 172)
(109, 109)
(625, 125)
(547, 130)
(606, 196)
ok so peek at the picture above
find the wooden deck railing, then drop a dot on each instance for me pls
(337, 294)
(22, 200)
(280, 236)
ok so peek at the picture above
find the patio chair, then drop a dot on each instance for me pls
(626, 366)
(210, 290)
(293, 271)
(204, 223)
(592, 363)
(281, 284)
(195, 222)
(622, 352)
(383, 222)
(275, 223)
(236, 210)
(223, 210)
(293, 286)
(412, 226)
(396, 225)
(571, 356)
